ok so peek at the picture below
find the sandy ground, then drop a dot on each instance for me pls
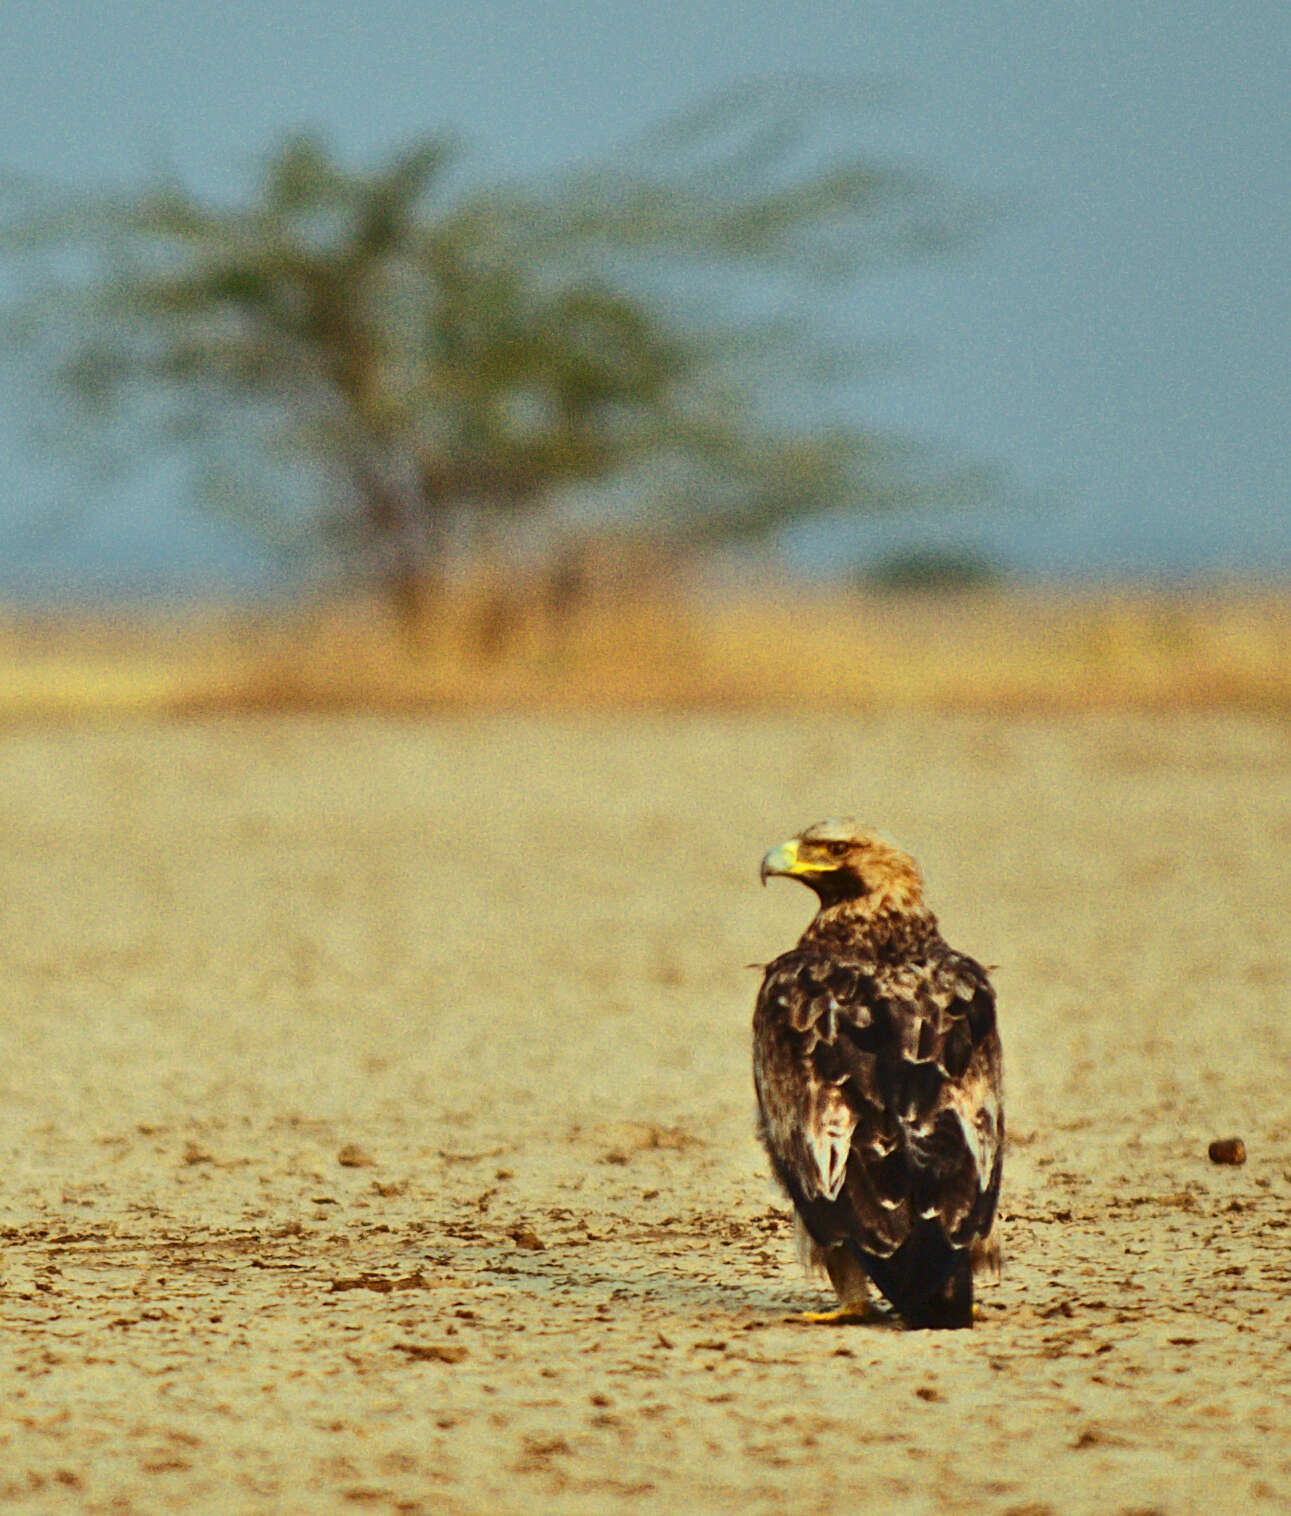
(377, 1129)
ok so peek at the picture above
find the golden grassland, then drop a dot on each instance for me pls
(779, 647)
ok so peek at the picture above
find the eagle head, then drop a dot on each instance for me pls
(845, 862)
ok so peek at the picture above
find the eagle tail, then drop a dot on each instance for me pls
(929, 1282)
(951, 1306)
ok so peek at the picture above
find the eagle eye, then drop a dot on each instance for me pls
(836, 849)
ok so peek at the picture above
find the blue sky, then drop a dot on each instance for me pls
(1119, 344)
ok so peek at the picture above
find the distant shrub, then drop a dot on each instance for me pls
(932, 570)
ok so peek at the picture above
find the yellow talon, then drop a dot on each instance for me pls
(843, 1315)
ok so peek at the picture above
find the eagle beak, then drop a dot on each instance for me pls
(780, 860)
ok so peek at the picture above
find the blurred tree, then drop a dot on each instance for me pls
(416, 371)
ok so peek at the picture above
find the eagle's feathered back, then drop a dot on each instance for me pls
(877, 1066)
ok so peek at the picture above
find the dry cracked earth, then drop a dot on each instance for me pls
(377, 1126)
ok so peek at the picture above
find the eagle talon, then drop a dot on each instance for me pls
(844, 1315)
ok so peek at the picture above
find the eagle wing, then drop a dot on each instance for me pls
(880, 1101)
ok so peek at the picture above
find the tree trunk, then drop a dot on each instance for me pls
(407, 549)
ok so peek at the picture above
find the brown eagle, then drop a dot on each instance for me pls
(877, 1066)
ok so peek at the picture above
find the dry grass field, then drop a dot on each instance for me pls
(376, 1117)
(779, 648)
(375, 1107)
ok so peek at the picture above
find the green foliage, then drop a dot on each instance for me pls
(409, 368)
(934, 570)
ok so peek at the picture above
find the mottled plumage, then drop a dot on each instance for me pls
(877, 1066)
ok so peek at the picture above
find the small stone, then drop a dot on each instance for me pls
(1227, 1150)
(525, 1237)
(352, 1156)
(433, 1352)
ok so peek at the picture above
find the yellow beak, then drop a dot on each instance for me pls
(787, 861)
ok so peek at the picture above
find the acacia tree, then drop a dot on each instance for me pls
(409, 368)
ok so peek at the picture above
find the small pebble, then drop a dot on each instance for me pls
(432, 1352)
(525, 1237)
(1227, 1150)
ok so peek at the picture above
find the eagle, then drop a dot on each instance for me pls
(877, 1065)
